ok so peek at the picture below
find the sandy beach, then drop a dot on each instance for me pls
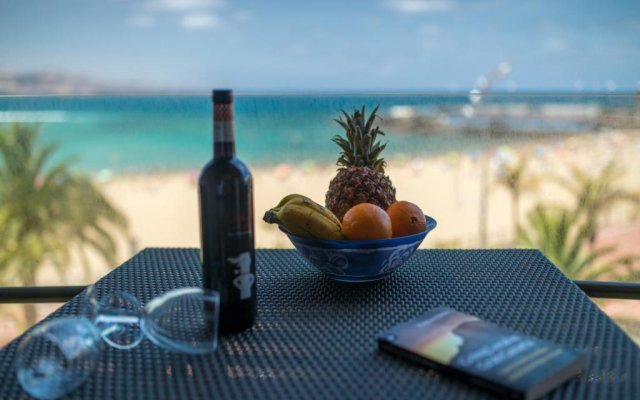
(162, 209)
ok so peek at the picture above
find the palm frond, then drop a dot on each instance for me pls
(46, 212)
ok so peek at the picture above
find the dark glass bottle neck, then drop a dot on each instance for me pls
(224, 150)
(224, 145)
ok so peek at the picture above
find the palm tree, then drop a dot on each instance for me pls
(563, 240)
(47, 211)
(595, 195)
(513, 177)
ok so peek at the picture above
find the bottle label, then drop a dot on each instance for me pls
(244, 279)
(223, 123)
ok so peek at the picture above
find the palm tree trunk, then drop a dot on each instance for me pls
(515, 212)
(592, 225)
(484, 199)
(30, 313)
(592, 239)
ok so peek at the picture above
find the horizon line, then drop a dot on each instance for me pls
(346, 92)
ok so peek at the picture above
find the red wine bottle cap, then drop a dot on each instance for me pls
(222, 96)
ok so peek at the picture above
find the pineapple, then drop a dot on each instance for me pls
(361, 177)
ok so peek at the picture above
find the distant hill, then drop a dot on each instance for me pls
(59, 83)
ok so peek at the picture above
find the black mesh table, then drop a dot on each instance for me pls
(315, 338)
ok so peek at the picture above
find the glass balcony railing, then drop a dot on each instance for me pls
(558, 172)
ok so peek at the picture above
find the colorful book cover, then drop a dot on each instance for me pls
(497, 358)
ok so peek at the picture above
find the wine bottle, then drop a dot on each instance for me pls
(226, 223)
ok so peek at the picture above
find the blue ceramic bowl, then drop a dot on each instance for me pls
(359, 260)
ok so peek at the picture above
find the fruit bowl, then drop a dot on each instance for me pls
(359, 260)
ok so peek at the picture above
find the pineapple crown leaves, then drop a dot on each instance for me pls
(360, 148)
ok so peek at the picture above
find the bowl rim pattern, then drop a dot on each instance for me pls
(373, 245)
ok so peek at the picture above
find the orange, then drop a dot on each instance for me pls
(366, 221)
(406, 218)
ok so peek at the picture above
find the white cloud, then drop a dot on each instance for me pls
(200, 21)
(419, 6)
(504, 68)
(142, 21)
(187, 14)
(183, 5)
(555, 44)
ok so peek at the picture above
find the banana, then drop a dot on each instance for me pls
(304, 200)
(303, 217)
(288, 198)
(304, 220)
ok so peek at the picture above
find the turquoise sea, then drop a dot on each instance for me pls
(165, 133)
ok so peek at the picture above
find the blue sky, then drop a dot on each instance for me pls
(329, 44)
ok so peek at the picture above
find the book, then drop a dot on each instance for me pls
(509, 363)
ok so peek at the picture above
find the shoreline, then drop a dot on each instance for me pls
(518, 140)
